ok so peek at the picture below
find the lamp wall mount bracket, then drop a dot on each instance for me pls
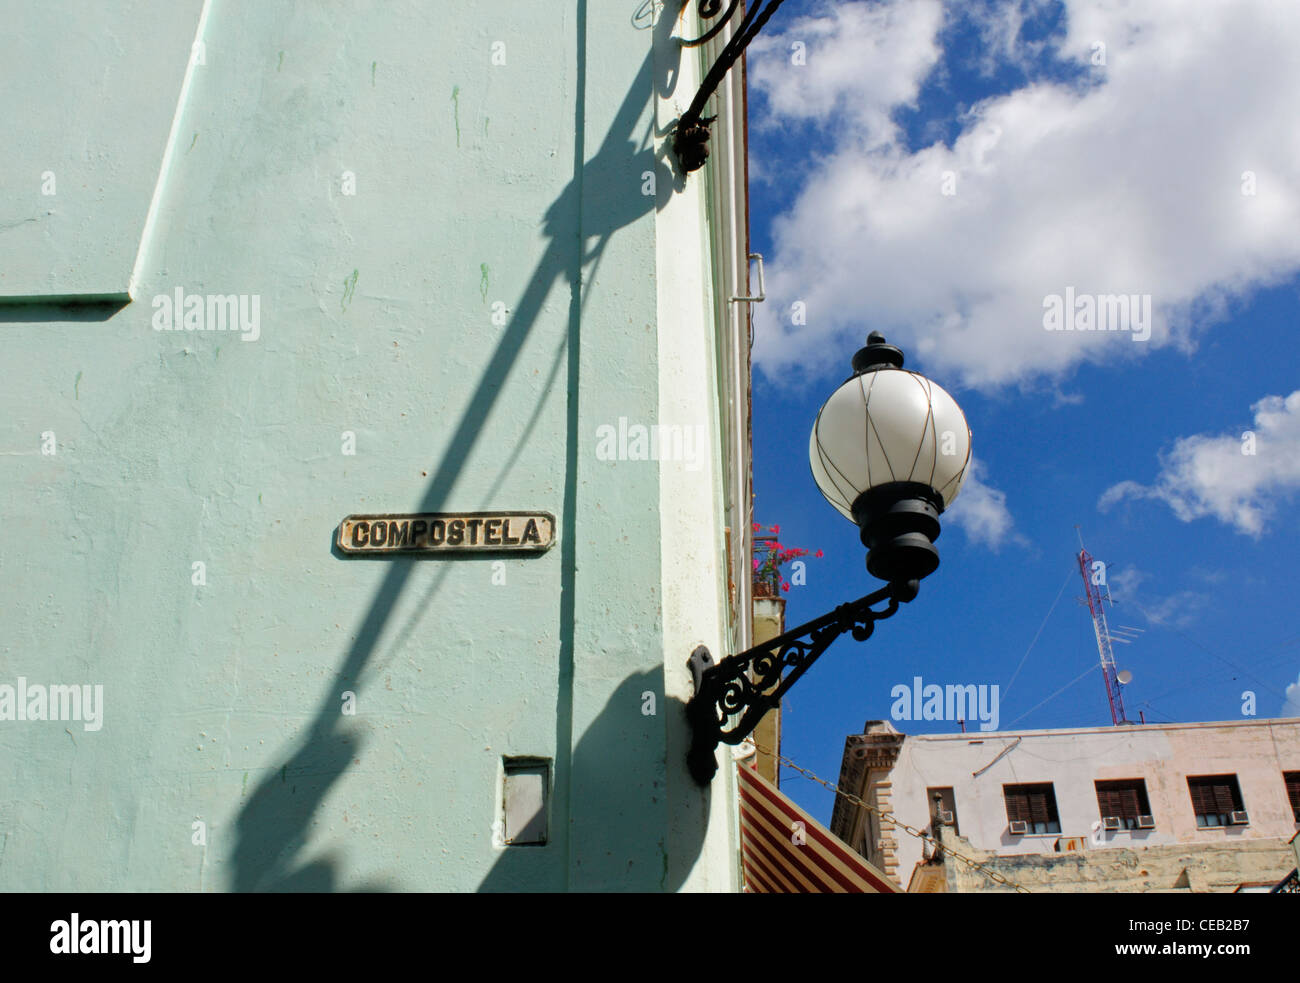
(732, 696)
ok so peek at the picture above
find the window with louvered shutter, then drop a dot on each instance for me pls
(1223, 798)
(1202, 798)
(1214, 798)
(1108, 801)
(1038, 807)
(1292, 779)
(1033, 804)
(1016, 811)
(1124, 798)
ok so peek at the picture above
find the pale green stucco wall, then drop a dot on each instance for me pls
(223, 702)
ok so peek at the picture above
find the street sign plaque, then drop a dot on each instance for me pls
(436, 533)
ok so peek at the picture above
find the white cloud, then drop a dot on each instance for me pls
(1000, 24)
(1291, 705)
(1210, 475)
(1125, 581)
(1178, 610)
(860, 61)
(981, 511)
(1131, 185)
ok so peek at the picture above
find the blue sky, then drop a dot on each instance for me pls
(1124, 176)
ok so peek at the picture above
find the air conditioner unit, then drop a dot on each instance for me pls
(1146, 822)
(945, 817)
(1239, 818)
(1112, 822)
(1019, 827)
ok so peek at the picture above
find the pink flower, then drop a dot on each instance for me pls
(776, 531)
(757, 527)
(818, 554)
(784, 585)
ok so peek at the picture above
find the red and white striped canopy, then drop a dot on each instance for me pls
(780, 857)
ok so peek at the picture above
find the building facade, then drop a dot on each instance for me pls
(1196, 807)
(267, 266)
(769, 622)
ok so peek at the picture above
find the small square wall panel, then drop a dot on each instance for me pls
(525, 794)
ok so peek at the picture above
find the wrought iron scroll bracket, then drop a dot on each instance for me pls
(710, 9)
(732, 696)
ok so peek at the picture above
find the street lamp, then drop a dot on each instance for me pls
(889, 450)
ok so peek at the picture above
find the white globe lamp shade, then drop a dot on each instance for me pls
(890, 450)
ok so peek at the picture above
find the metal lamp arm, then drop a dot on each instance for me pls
(691, 135)
(751, 683)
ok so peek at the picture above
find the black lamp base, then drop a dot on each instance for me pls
(899, 523)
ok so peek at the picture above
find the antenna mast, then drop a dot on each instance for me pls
(1093, 593)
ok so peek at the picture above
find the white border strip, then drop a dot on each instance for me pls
(147, 235)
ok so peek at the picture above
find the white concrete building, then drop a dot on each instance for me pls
(1160, 793)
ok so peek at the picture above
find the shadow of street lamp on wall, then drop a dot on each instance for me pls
(889, 450)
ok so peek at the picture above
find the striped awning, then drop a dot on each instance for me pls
(780, 857)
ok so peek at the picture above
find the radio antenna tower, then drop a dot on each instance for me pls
(1092, 591)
